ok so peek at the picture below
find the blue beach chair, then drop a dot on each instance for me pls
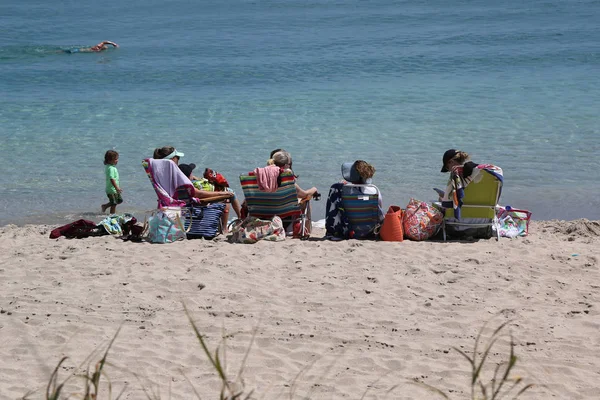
(362, 209)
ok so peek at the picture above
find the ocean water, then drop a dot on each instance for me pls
(396, 83)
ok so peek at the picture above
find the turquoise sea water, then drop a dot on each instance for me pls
(395, 83)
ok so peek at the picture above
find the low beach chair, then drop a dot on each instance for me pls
(204, 215)
(283, 203)
(362, 209)
(479, 208)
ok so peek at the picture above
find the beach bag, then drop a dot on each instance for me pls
(392, 230)
(513, 222)
(337, 225)
(164, 226)
(79, 229)
(203, 221)
(421, 220)
(252, 229)
(203, 184)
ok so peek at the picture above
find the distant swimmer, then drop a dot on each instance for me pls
(94, 49)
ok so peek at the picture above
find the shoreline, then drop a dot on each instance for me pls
(546, 211)
(334, 318)
(59, 219)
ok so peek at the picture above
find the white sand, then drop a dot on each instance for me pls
(334, 318)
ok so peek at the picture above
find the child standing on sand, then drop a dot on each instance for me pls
(113, 190)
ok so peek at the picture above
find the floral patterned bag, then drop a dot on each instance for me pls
(252, 229)
(421, 220)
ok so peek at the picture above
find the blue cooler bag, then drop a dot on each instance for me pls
(203, 221)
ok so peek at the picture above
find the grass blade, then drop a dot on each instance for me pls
(53, 391)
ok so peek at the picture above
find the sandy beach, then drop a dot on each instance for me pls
(333, 320)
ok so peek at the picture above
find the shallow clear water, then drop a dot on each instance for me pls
(395, 83)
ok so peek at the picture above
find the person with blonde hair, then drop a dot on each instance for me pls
(283, 160)
(270, 161)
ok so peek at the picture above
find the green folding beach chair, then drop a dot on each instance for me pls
(479, 209)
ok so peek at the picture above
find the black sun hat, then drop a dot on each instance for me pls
(448, 155)
(187, 169)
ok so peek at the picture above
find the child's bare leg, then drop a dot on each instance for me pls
(113, 209)
(104, 206)
(225, 218)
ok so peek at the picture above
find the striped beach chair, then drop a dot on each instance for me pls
(282, 203)
(362, 210)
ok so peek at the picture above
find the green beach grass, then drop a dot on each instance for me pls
(488, 380)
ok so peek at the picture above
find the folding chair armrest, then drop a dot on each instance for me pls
(305, 199)
(213, 199)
